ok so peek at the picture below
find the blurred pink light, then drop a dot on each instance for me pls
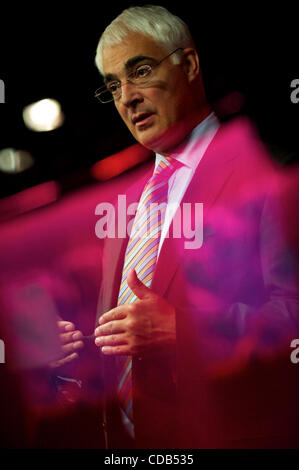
(29, 199)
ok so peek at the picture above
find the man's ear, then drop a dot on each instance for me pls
(190, 63)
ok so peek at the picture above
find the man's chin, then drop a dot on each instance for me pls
(159, 142)
(154, 140)
(166, 140)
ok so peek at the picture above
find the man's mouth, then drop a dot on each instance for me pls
(141, 119)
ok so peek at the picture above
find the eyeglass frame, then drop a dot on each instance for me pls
(103, 89)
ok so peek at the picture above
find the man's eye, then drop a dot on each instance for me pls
(143, 71)
(113, 87)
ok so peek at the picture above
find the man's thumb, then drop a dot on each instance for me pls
(137, 286)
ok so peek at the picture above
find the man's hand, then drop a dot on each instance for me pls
(70, 343)
(139, 327)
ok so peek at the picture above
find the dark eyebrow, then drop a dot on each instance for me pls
(109, 77)
(128, 66)
(134, 60)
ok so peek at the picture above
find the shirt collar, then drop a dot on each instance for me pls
(186, 157)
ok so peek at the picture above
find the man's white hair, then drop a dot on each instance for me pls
(152, 20)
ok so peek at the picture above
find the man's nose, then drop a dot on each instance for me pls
(130, 93)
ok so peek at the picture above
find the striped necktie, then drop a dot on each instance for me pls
(141, 255)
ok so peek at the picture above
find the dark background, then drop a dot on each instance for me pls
(48, 50)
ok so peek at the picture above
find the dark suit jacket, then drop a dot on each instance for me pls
(229, 382)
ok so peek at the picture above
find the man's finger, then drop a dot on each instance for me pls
(63, 361)
(65, 325)
(69, 348)
(109, 328)
(121, 350)
(137, 286)
(117, 313)
(111, 340)
(71, 337)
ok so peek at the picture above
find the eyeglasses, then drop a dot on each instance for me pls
(140, 76)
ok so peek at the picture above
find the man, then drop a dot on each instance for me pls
(188, 332)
